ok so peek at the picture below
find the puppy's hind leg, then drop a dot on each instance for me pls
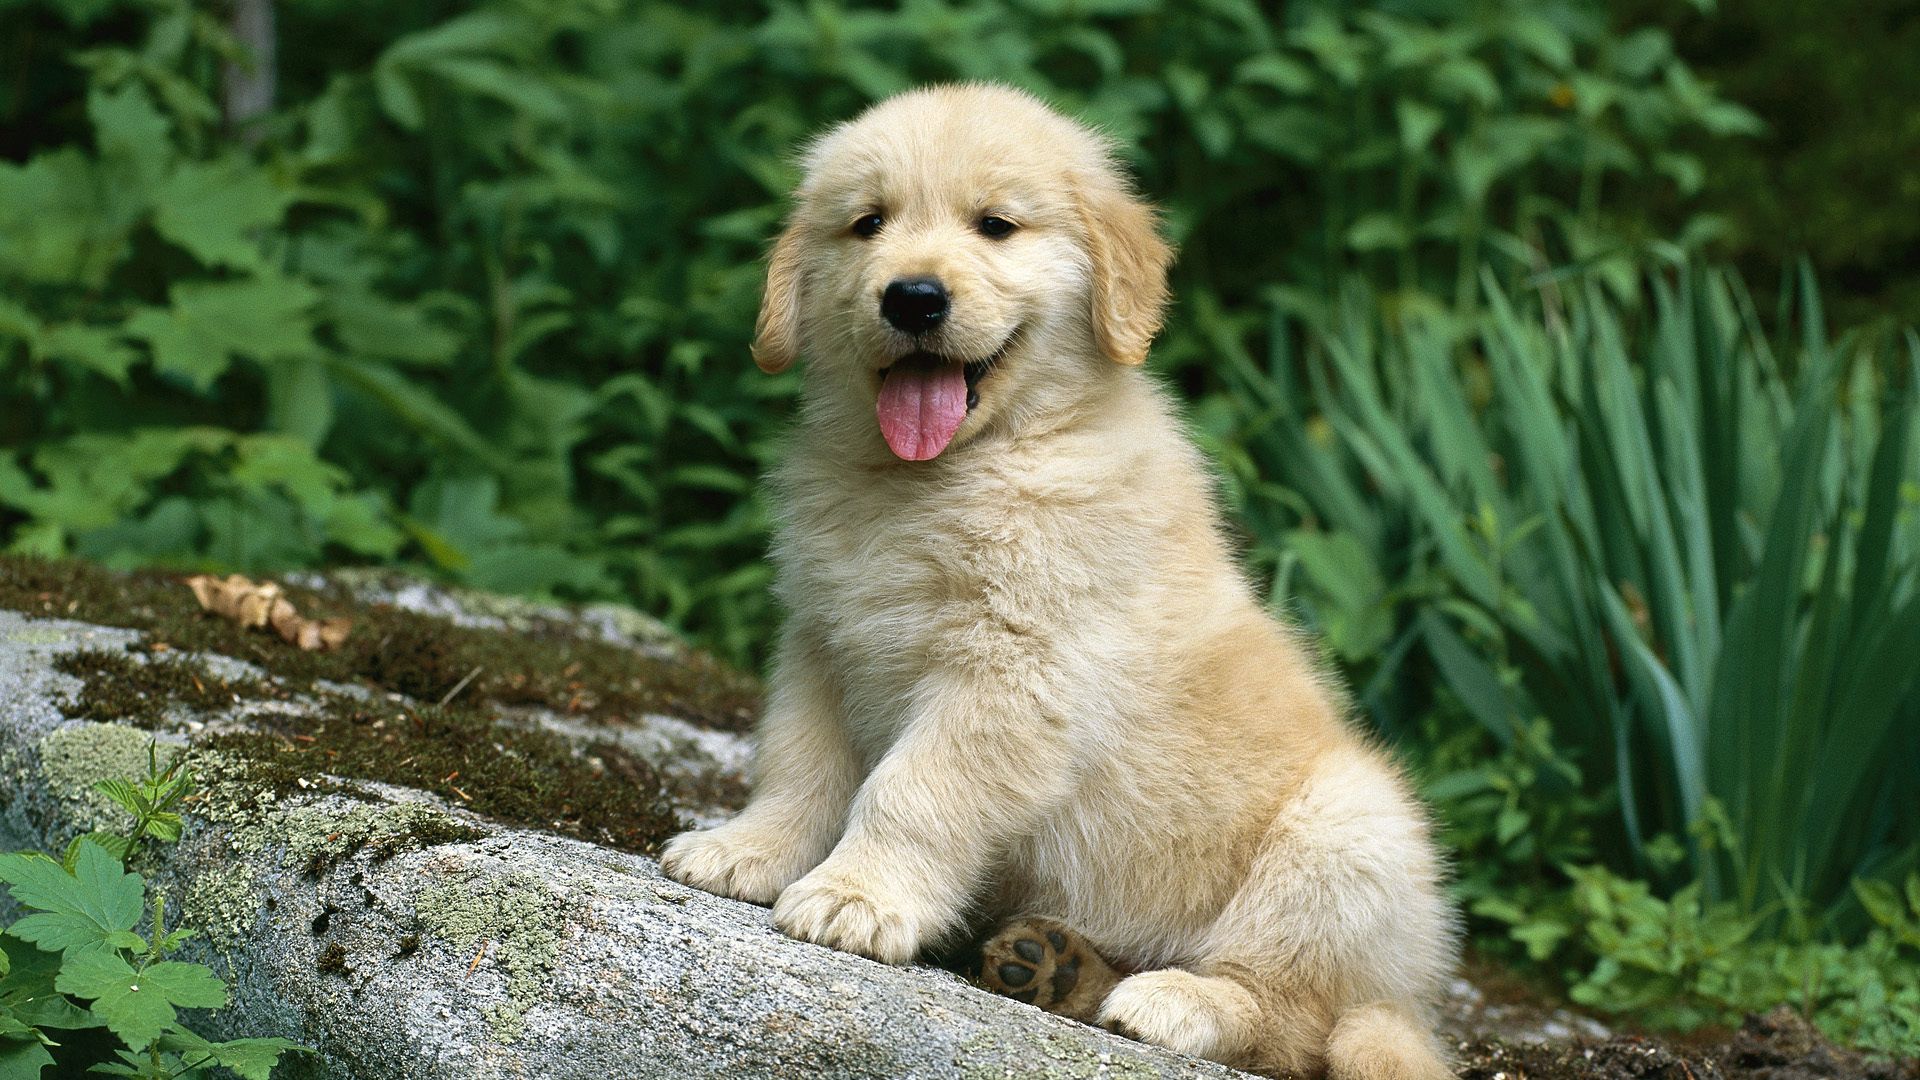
(1340, 930)
(1209, 1016)
(1047, 964)
(1383, 1041)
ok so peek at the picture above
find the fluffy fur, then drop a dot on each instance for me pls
(1026, 678)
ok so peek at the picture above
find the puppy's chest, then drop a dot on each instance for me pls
(890, 583)
(888, 577)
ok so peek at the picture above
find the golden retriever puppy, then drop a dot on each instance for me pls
(1021, 675)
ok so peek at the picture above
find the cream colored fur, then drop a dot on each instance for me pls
(1026, 677)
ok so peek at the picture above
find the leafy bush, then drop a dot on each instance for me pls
(77, 960)
(476, 295)
(1835, 174)
(1697, 552)
(1687, 550)
(1520, 819)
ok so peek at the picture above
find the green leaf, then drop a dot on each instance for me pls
(526, 94)
(139, 1005)
(210, 324)
(165, 827)
(252, 1059)
(1511, 823)
(373, 326)
(27, 989)
(1283, 73)
(1541, 937)
(1538, 35)
(97, 348)
(117, 845)
(134, 138)
(57, 231)
(123, 794)
(1470, 677)
(398, 99)
(85, 907)
(1882, 902)
(22, 1059)
(1378, 231)
(1465, 79)
(214, 209)
(1419, 123)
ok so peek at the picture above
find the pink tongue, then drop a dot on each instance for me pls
(922, 403)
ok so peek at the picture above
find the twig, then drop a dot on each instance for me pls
(461, 685)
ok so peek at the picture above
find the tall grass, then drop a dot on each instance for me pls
(1690, 545)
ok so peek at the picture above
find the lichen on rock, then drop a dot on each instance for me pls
(74, 759)
(511, 923)
(222, 902)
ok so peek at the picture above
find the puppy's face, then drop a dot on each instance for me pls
(959, 257)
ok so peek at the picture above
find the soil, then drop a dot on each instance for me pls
(1781, 1045)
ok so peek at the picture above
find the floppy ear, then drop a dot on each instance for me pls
(776, 334)
(1129, 270)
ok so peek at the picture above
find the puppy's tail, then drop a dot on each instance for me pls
(1384, 1041)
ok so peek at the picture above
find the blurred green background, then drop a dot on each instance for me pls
(1552, 354)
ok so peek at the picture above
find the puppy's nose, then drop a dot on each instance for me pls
(914, 305)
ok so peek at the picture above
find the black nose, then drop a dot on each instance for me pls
(915, 305)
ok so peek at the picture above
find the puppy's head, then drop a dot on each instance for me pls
(960, 256)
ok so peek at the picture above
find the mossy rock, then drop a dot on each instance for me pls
(425, 883)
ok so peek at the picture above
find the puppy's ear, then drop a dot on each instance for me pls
(776, 334)
(1129, 269)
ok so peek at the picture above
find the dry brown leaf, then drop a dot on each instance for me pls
(263, 605)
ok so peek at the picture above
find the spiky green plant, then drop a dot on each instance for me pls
(1692, 548)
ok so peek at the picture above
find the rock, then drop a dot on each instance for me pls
(401, 934)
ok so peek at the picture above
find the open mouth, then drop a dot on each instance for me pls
(924, 398)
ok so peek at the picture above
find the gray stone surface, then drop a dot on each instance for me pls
(512, 954)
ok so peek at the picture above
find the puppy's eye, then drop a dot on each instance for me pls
(995, 226)
(868, 226)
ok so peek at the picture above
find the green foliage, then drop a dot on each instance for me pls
(476, 295)
(1667, 568)
(1695, 551)
(78, 958)
(1518, 817)
(1836, 173)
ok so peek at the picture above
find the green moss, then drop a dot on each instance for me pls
(262, 809)
(124, 686)
(516, 774)
(541, 661)
(519, 923)
(462, 751)
(73, 759)
(317, 836)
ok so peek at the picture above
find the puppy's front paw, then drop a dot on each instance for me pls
(845, 913)
(734, 860)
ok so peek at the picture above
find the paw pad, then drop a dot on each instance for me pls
(1046, 965)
